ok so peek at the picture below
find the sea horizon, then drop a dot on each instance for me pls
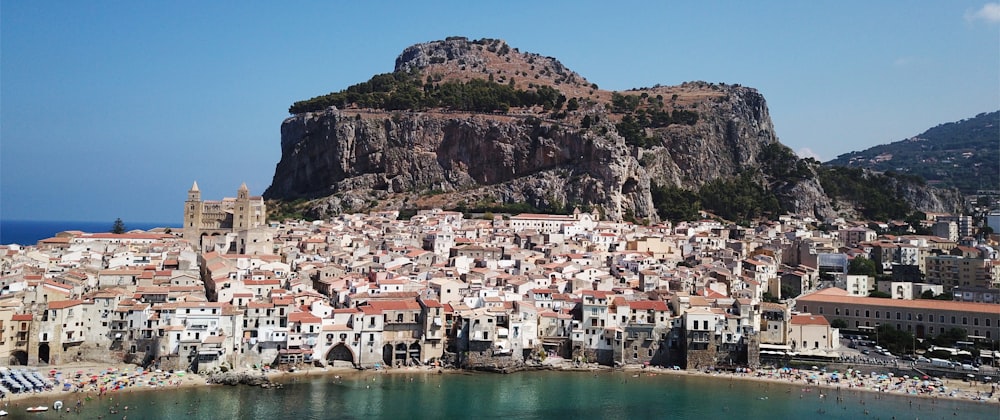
(29, 232)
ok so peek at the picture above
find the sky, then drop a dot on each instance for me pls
(111, 109)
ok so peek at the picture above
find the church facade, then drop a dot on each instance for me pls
(230, 226)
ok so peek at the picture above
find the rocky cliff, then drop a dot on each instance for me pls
(585, 147)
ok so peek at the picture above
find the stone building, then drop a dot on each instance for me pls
(231, 225)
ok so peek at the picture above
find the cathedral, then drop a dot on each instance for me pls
(230, 226)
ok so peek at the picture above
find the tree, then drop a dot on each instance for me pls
(948, 337)
(118, 227)
(573, 104)
(675, 204)
(838, 323)
(879, 294)
(862, 266)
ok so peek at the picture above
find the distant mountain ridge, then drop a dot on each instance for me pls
(963, 154)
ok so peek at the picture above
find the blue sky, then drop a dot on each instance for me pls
(112, 108)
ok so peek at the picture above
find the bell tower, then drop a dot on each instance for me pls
(192, 215)
(241, 213)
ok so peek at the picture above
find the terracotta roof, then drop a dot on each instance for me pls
(431, 303)
(214, 339)
(809, 320)
(831, 296)
(303, 317)
(647, 305)
(61, 304)
(395, 305)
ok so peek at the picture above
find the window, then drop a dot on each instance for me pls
(920, 317)
(836, 311)
(899, 316)
(821, 310)
(867, 314)
(878, 314)
(975, 321)
(965, 320)
(909, 316)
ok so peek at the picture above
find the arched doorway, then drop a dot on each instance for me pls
(19, 357)
(43, 352)
(340, 354)
(387, 354)
(920, 331)
(400, 353)
(414, 353)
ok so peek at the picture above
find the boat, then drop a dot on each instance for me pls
(57, 405)
(38, 409)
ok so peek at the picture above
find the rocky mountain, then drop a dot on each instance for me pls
(480, 125)
(963, 154)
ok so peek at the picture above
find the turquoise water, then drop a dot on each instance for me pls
(529, 395)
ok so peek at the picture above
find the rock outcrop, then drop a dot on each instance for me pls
(354, 159)
(238, 378)
(359, 156)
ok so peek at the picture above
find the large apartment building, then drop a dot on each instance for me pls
(922, 317)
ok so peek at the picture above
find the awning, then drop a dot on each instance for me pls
(775, 347)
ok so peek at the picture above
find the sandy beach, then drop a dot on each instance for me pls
(90, 380)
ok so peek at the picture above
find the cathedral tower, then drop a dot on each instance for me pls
(192, 214)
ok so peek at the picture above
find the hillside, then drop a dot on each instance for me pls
(963, 154)
(479, 125)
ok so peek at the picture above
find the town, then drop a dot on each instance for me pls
(231, 289)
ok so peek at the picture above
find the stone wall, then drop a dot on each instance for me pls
(493, 362)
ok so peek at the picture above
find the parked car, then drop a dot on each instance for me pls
(968, 367)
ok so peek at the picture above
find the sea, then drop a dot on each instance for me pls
(524, 395)
(29, 232)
